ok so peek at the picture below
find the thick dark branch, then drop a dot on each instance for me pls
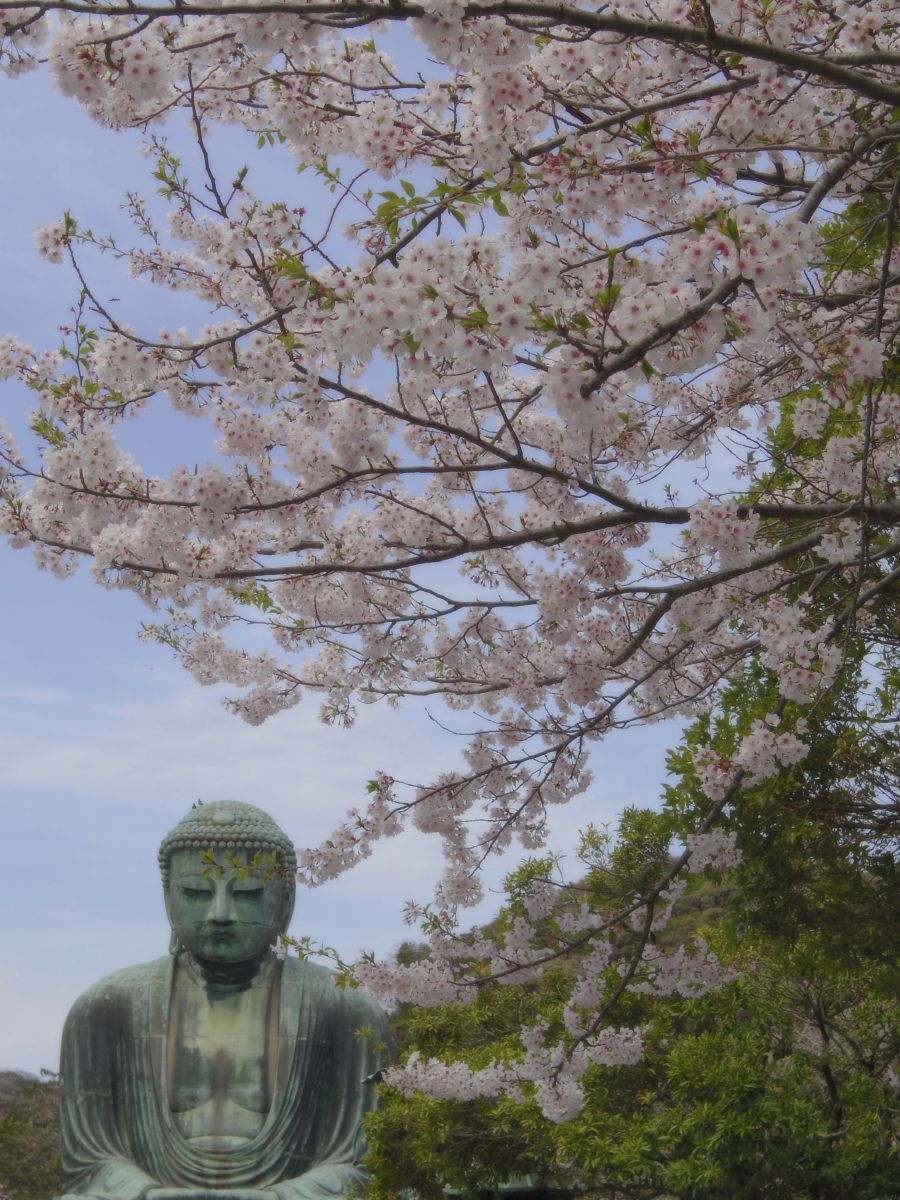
(548, 535)
(635, 352)
(839, 168)
(796, 61)
(889, 511)
(832, 70)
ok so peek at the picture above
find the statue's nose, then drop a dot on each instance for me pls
(222, 908)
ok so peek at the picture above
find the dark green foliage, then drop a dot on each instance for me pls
(818, 840)
(774, 1086)
(29, 1155)
(733, 1100)
(629, 864)
(777, 1086)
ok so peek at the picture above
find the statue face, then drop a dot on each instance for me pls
(221, 918)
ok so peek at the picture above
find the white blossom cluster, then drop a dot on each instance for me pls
(717, 848)
(22, 32)
(546, 1073)
(689, 971)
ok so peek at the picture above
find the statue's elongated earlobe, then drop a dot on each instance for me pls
(289, 899)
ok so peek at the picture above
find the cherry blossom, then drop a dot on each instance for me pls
(556, 398)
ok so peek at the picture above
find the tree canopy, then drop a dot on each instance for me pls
(778, 1083)
(562, 388)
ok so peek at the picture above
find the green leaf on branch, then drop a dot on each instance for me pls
(46, 428)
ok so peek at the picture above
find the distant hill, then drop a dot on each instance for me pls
(29, 1155)
(12, 1085)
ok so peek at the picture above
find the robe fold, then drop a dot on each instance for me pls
(117, 1134)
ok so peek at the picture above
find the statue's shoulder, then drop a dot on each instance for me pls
(322, 984)
(123, 986)
(307, 977)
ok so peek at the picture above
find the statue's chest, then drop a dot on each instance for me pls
(221, 1055)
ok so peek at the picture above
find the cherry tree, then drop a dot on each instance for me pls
(498, 426)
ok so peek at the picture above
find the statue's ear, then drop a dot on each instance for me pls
(288, 909)
(175, 945)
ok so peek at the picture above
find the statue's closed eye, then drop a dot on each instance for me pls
(203, 893)
(248, 893)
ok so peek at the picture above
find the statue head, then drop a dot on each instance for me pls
(228, 875)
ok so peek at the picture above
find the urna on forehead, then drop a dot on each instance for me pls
(231, 825)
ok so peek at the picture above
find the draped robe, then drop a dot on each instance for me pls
(118, 1137)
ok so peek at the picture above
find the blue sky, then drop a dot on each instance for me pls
(104, 741)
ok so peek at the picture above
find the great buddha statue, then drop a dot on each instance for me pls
(220, 1071)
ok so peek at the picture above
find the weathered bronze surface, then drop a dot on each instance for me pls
(220, 1071)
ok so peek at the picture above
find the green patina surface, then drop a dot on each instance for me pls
(218, 1070)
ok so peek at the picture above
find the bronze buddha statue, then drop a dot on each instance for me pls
(220, 1070)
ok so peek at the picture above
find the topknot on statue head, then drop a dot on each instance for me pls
(230, 825)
